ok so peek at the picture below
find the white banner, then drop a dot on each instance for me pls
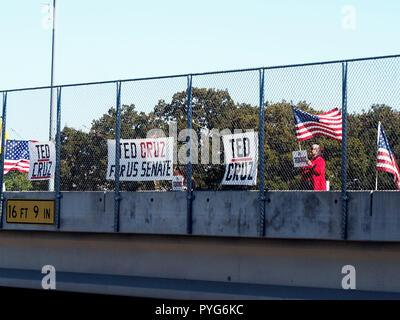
(142, 159)
(42, 157)
(300, 158)
(241, 158)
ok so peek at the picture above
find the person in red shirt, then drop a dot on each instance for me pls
(313, 176)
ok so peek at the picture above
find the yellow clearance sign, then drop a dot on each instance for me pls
(29, 211)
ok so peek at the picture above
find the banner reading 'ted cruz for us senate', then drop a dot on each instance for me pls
(241, 158)
(142, 159)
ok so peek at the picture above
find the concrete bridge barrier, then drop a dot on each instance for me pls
(300, 256)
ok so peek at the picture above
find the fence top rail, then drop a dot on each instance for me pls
(203, 73)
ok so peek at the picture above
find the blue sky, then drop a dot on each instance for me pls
(104, 40)
(109, 40)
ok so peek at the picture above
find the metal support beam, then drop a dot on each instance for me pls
(53, 120)
(117, 197)
(189, 165)
(58, 195)
(52, 129)
(3, 148)
(344, 151)
(261, 156)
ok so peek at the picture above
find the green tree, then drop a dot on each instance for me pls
(362, 154)
(84, 155)
(17, 181)
(212, 111)
(281, 141)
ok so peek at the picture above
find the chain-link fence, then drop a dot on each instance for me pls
(222, 104)
(373, 97)
(198, 109)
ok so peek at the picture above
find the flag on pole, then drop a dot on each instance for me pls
(386, 160)
(16, 156)
(309, 125)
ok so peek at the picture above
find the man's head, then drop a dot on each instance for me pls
(177, 170)
(315, 150)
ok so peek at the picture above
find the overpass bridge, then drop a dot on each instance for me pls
(300, 256)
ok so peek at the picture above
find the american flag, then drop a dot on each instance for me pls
(308, 125)
(386, 160)
(16, 156)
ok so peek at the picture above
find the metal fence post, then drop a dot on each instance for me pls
(58, 195)
(344, 151)
(3, 148)
(189, 217)
(117, 197)
(262, 197)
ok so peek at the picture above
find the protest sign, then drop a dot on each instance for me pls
(300, 158)
(142, 159)
(42, 156)
(241, 158)
(177, 183)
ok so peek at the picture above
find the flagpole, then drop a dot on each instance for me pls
(291, 104)
(53, 120)
(377, 152)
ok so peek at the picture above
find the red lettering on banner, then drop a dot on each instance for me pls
(142, 144)
(156, 149)
(149, 149)
(163, 149)
(153, 149)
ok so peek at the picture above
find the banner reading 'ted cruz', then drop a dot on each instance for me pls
(241, 158)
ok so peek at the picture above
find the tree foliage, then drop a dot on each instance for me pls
(17, 181)
(84, 154)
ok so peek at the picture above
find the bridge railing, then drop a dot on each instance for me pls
(197, 109)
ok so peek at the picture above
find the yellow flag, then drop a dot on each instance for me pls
(0, 135)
